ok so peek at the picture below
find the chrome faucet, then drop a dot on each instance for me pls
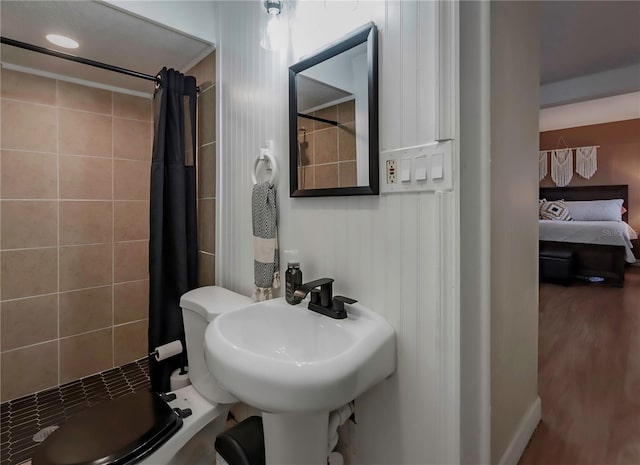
(321, 300)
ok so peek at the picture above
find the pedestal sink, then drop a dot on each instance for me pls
(297, 366)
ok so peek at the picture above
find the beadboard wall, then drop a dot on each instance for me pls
(397, 254)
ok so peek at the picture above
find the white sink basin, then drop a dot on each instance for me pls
(283, 358)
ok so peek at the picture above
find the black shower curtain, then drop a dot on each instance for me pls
(173, 253)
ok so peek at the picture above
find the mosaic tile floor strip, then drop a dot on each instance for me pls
(22, 418)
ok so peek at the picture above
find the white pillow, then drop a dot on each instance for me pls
(596, 210)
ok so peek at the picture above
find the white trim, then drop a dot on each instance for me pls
(522, 435)
(204, 91)
(598, 111)
(448, 208)
(61, 77)
(220, 278)
(475, 228)
(448, 305)
(446, 55)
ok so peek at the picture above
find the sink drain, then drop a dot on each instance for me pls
(44, 433)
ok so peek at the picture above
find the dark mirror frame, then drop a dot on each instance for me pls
(366, 34)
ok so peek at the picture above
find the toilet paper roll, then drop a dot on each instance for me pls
(167, 350)
(178, 381)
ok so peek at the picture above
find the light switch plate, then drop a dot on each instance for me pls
(437, 166)
(405, 169)
(422, 164)
(421, 160)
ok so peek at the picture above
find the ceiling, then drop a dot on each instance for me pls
(577, 38)
(105, 34)
(585, 37)
(312, 93)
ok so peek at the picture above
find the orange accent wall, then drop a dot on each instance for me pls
(618, 159)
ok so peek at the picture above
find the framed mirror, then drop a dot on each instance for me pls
(333, 119)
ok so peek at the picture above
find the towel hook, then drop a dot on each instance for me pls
(271, 164)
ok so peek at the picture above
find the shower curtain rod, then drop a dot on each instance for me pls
(77, 59)
(317, 118)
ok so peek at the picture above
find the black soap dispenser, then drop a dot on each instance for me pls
(293, 277)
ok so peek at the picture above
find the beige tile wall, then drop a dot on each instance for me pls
(205, 72)
(328, 153)
(74, 230)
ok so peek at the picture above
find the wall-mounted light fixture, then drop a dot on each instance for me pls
(275, 27)
(273, 7)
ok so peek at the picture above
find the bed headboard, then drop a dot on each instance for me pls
(588, 193)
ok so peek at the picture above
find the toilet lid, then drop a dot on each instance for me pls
(120, 431)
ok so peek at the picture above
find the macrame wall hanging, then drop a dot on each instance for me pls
(586, 161)
(562, 162)
(543, 161)
(562, 166)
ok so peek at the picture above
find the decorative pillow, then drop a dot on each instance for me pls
(541, 202)
(596, 210)
(555, 210)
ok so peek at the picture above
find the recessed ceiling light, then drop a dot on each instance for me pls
(62, 41)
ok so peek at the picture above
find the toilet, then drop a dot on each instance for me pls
(143, 428)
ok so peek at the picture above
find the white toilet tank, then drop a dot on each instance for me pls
(199, 307)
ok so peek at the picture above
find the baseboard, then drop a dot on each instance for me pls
(522, 435)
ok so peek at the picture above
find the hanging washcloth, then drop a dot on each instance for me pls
(586, 161)
(562, 166)
(543, 162)
(266, 264)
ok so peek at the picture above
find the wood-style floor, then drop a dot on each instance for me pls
(588, 375)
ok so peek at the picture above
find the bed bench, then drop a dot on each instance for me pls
(557, 266)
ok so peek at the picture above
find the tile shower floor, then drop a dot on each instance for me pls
(22, 418)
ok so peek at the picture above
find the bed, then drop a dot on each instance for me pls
(600, 248)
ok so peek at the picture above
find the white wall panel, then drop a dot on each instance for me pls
(395, 254)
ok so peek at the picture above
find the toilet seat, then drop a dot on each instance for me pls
(117, 432)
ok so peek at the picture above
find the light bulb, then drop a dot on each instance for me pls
(274, 7)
